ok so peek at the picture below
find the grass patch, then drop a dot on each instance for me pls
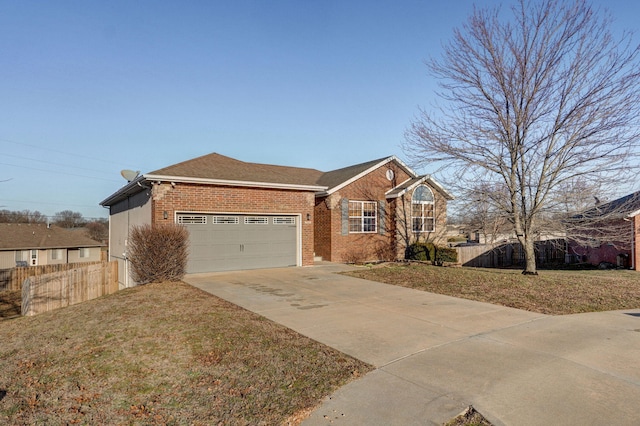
(551, 292)
(166, 354)
(470, 417)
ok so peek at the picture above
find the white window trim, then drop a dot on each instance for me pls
(363, 218)
(225, 220)
(422, 217)
(192, 219)
(256, 220)
(287, 220)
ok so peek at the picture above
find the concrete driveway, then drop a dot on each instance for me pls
(435, 355)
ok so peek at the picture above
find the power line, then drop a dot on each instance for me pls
(58, 172)
(86, 157)
(50, 162)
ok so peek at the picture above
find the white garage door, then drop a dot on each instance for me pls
(233, 242)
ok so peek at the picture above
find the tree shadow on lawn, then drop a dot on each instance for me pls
(10, 304)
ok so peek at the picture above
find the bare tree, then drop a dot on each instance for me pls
(69, 219)
(480, 212)
(532, 103)
(98, 229)
(23, 216)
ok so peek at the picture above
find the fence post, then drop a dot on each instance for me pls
(25, 307)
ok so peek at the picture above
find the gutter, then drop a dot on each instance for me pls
(138, 185)
(205, 181)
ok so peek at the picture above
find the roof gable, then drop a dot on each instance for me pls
(26, 236)
(409, 185)
(337, 179)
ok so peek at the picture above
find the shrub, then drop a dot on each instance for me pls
(446, 254)
(421, 251)
(431, 252)
(158, 253)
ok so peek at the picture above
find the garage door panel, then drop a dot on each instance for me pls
(232, 242)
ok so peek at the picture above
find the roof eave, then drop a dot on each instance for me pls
(369, 170)
(129, 189)
(205, 181)
(424, 178)
(633, 213)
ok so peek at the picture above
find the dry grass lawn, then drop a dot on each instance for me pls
(169, 353)
(555, 292)
(162, 354)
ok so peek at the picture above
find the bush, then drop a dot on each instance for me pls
(446, 254)
(431, 252)
(158, 253)
(421, 251)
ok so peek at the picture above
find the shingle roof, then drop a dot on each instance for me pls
(219, 167)
(24, 236)
(402, 188)
(621, 207)
(413, 182)
(336, 177)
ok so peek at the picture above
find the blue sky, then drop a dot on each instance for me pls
(88, 88)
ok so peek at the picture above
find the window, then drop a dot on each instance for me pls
(225, 220)
(200, 220)
(22, 255)
(84, 252)
(363, 216)
(284, 220)
(422, 210)
(256, 220)
(56, 254)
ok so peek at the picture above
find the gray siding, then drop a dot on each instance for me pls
(133, 211)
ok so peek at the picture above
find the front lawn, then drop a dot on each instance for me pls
(550, 292)
(162, 354)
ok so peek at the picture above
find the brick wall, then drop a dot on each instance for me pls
(223, 199)
(335, 247)
(404, 232)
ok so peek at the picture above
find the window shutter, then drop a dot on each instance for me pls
(345, 216)
(381, 217)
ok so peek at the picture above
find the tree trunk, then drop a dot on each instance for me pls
(529, 257)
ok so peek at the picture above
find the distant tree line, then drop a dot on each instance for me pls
(97, 228)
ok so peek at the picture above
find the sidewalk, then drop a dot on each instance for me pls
(435, 355)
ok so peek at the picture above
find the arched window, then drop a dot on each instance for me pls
(422, 210)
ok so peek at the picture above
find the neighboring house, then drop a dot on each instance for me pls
(246, 215)
(608, 233)
(23, 244)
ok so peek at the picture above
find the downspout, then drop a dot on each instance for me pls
(633, 244)
(632, 221)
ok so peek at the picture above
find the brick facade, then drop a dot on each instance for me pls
(186, 197)
(215, 184)
(390, 241)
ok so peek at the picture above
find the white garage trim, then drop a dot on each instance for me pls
(221, 255)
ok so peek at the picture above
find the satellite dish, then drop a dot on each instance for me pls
(129, 175)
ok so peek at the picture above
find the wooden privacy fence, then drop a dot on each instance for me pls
(12, 279)
(45, 292)
(551, 252)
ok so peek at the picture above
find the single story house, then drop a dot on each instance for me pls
(246, 215)
(24, 244)
(608, 233)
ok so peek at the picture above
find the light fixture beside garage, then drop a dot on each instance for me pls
(165, 215)
(308, 216)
